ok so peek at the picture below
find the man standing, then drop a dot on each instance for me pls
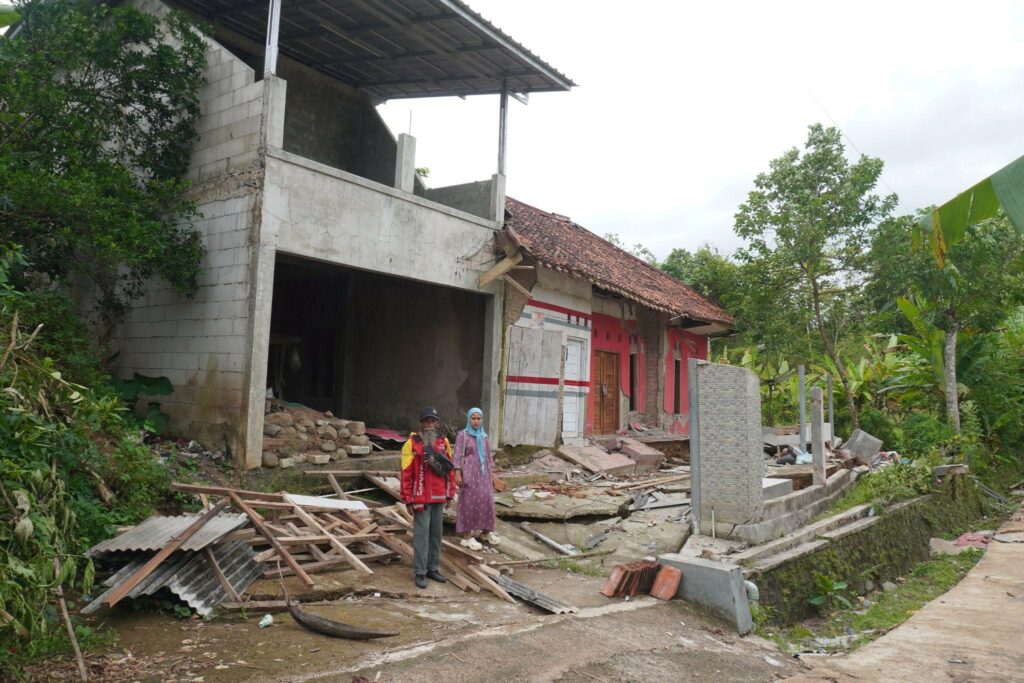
(428, 486)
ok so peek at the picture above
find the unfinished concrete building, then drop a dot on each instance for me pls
(598, 339)
(332, 275)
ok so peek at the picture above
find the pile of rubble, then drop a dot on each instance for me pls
(294, 434)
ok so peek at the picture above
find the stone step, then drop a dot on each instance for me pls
(772, 561)
(800, 536)
(851, 528)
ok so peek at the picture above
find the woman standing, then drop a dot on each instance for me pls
(474, 478)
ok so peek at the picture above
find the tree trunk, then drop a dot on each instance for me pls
(949, 363)
(830, 349)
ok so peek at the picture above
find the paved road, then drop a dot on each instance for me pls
(975, 632)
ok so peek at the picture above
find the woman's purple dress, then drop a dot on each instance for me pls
(476, 497)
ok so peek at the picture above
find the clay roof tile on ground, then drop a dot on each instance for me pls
(558, 243)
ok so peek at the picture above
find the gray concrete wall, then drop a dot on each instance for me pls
(334, 124)
(411, 345)
(728, 449)
(474, 198)
(201, 343)
(717, 586)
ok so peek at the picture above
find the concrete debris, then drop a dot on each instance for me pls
(863, 446)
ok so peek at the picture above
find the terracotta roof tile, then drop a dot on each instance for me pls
(558, 243)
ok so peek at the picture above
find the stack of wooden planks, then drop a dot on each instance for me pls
(303, 535)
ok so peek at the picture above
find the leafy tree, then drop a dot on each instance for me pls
(708, 272)
(980, 281)
(97, 106)
(638, 249)
(807, 224)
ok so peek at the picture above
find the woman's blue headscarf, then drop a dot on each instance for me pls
(480, 435)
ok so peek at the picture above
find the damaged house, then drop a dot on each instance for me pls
(333, 276)
(597, 338)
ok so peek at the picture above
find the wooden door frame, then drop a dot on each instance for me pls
(596, 375)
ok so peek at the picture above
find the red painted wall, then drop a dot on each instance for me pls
(613, 334)
(690, 346)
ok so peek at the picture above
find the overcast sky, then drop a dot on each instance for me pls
(681, 104)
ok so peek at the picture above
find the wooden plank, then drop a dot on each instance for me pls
(382, 485)
(334, 484)
(221, 579)
(257, 521)
(221, 491)
(354, 473)
(161, 555)
(338, 545)
(476, 574)
(512, 282)
(321, 566)
(499, 269)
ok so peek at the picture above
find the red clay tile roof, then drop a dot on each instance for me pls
(558, 243)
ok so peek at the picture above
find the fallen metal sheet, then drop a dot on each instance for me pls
(156, 532)
(319, 501)
(385, 434)
(545, 602)
(189, 576)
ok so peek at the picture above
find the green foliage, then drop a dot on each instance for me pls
(57, 439)
(885, 486)
(8, 15)
(828, 592)
(97, 106)
(129, 391)
(923, 434)
(638, 249)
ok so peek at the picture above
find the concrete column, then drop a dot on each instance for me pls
(261, 293)
(275, 92)
(270, 46)
(493, 335)
(497, 207)
(818, 435)
(694, 402)
(405, 163)
(803, 408)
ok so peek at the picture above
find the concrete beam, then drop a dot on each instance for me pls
(716, 586)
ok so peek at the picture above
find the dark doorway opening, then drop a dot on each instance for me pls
(373, 347)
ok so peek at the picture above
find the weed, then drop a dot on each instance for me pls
(829, 591)
(576, 567)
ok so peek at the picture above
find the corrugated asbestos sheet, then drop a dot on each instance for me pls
(524, 592)
(157, 532)
(188, 575)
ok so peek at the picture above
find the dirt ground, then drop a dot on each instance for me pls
(444, 633)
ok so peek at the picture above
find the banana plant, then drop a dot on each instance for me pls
(8, 15)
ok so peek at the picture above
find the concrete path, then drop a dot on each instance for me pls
(975, 632)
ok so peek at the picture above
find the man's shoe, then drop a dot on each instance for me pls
(436, 576)
(421, 581)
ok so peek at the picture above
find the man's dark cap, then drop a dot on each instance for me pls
(429, 411)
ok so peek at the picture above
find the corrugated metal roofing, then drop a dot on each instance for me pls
(157, 532)
(189, 576)
(392, 49)
(524, 592)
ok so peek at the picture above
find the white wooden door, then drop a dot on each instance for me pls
(531, 387)
(572, 396)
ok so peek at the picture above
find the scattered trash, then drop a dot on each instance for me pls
(974, 540)
(266, 621)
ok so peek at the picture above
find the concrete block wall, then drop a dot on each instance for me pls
(201, 343)
(728, 448)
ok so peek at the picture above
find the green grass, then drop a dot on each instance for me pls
(575, 567)
(927, 581)
(882, 487)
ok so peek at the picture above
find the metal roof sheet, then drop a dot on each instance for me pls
(156, 532)
(391, 48)
(189, 576)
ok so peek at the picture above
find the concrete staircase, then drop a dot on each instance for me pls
(761, 558)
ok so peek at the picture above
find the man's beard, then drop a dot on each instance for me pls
(429, 435)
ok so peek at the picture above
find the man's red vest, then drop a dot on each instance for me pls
(419, 483)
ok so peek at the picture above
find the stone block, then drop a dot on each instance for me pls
(863, 446)
(359, 440)
(328, 446)
(357, 428)
(716, 586)
(327, 432)
(270, 459)
(647, 459)
(594, 459)
(271, 429)
(286, 462)
(319, 459)
(284, 418)
(357, 450)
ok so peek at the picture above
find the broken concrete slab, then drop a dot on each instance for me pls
(594, 459)
(559, 506)
(940, 546)
(716, 586)
(863, 446)
(647, 459)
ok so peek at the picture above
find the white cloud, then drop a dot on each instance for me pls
(680, 105)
